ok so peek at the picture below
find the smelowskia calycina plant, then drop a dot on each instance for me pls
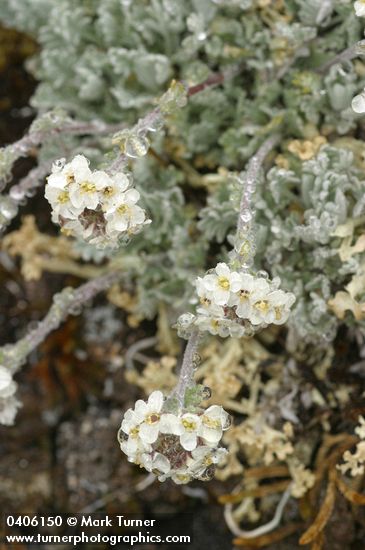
(176, 436)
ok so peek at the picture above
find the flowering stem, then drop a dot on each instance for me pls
(68, 301)
(187, 368)
(245, 217)
(33, 139)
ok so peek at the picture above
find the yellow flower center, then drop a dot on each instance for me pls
(210, 422)
(134, 432)
(244, 295)
(70, 178)
(123, 209)
(63, 197)
(152, 418)
(182, 477)
(278, 310)
(204, 301)
(214, 323)
(208, 461)
(87, 187)
(263, 306)
(108, 191)
(189, 425)
(223, 282)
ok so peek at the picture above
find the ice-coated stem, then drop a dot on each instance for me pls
(33, 139)
(243, 246)
(68, 301)
(186, 373)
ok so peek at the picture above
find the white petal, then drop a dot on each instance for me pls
(149, 432)
(188, 441)
(215, 412)
(155, 401)
(80, 167)
(58, 180)
(211, 436)
(170, 424)
(161, 463)
(222, 270)
(140, 408)
(131, 196)
(121, 181)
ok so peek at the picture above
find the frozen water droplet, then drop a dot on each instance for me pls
(206, 393)
(246, 215)
(136, 146)
(262, 274)
(228, 422)
(121, 436)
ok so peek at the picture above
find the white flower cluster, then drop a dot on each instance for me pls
(9, 404)
(359, 6)
(236, 304)
(93, 205)
(181, 446)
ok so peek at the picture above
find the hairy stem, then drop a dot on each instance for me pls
(244, 249)
(33, 139)
(68, 301)
(186, 373)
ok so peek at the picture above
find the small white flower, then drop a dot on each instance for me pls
(113, 191)
(261, 311)
(203, 457)
(131, 426)
(213, 422)
(84, 193)
(359, 6)
(60, 201)
(220, 286)
(156, 463)
(150, 413)
(358, 103)
(126, 214)
(181, 476)
(186, 427)
(280, 304)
